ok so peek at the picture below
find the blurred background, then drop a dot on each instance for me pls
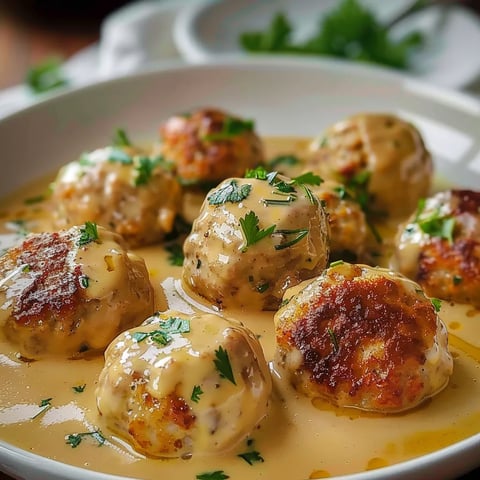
(32, 30)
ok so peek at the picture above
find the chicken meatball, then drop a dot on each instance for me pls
(363, 337)
(134, 195)
(348, 225)
(439, 246)
(208, 145)
(381, 156)
(69, 293)
(179, 386)
(254, 238)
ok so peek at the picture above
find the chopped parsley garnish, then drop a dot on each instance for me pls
(289, 160)
(84, 281)
(176, 256)
(33, 200)
(457, 279)
(223, 365)
(251, 231)
(46, 76)
(231, 127)
(26, 268)
(44, 405)
(299, 232)
(356, 189)
(79, 388)
(117, 155)
(307, 178)
(88, 234)
(333, 338)
(263, 287)
(215, 475)
(435, 224)
(163, 334)
(251, 457)
(120, 138)
(74, 439)
(229, 192)
(437, 304)
(348, 31)
(145, 168)
(196, 393)
(259, 173)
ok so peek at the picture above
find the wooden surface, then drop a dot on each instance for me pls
(26, 41)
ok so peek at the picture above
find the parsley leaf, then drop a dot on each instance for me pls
(44, 405)
(223, 365)
(229, 192)
(145, 168)
(215, 475)
(120, 138)
(79, 388)
(196, 393)
(437, 304)
(88, 234)
(435, 224)
(231, 127)
(251, 231)
(289, 160)
(74, 439)
(176, 256)
(307, 178)
(251, 457)
(46, 76)
(167, 327)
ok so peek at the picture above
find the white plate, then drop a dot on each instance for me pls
(448, 58)
(284, 97)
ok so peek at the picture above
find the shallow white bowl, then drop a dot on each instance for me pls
(291, 97)
(449, 57)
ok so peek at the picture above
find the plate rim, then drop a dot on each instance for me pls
(461, 101)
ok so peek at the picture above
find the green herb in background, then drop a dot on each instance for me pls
(349, 31)
(46, 76)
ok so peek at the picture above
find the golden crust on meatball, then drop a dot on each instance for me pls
(209, 145)
(134, 195)
(363, 337)
(439, 246)
(380, 153)
(182, 385)
(69, 293)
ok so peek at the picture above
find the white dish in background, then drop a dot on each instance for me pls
(449, 58)
(285, 97)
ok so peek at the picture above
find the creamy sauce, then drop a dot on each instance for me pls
(298, 439)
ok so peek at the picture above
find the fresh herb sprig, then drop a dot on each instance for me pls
(223, 365)
(349, 31)
(231, 128)
(46, 76)
(163, 334)
(88, 234)
(229, 192)
(74, 439)
(253, 234)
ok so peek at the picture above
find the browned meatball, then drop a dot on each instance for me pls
(439, 246)
(348, 226)
(209, 145)
(192, 385)
(69, 293)
(380, 155)
(134, 195)
(252, 241)
(362, 337)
